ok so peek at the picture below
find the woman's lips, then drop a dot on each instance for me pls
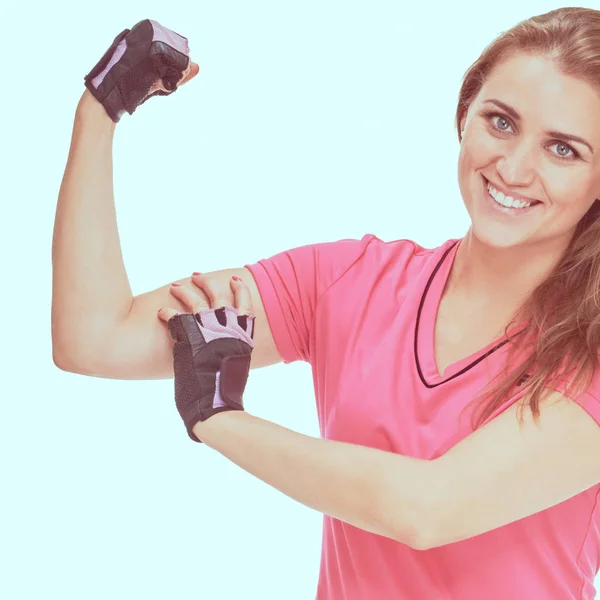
(516, 197)
(504, 210)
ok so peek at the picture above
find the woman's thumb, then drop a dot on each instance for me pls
(191, 72)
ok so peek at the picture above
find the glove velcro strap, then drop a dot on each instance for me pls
(234, 375)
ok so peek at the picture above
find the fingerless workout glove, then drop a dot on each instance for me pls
(211, 362)
(137, 59)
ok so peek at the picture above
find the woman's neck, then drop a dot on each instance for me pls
(499, 279)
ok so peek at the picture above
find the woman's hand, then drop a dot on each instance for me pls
(142, 62)
(212, 350)
(189, 296)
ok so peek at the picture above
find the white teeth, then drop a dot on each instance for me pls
(508, 201)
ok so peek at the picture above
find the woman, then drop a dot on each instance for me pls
(419, 501)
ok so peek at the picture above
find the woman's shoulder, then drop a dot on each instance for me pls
(403, 246)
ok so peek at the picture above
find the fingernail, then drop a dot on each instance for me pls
(236, 278)
(196, 273)
(176, 284)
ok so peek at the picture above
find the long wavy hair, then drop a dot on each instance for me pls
(562, 334)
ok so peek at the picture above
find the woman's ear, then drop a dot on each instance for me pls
(462, 126)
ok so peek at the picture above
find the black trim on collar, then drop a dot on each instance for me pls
(416, 354)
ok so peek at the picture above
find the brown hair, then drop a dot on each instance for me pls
(562, 314)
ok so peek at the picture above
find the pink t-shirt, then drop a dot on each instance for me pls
(361, 312)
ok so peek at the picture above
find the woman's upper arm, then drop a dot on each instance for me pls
(141, 346)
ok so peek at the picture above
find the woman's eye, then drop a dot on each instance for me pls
(501, 123)
(564, 151)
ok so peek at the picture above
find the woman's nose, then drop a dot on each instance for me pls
(517, 166)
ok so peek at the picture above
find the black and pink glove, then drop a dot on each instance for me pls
(211, 362)
(138, 59)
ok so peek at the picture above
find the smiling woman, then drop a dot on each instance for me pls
(529, 131)
(401, 340)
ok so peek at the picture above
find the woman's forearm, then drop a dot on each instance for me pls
(356, 484)
(90, 288)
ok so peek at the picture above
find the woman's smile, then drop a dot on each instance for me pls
(506, 211)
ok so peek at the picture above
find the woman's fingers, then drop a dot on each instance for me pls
(190, 298)
(191, 72)
(242, 296)
(216, 296)
(242, 299)
(193, 301)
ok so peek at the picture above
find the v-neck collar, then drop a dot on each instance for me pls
(424, 340)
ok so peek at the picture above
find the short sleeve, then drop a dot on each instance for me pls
(292, 282)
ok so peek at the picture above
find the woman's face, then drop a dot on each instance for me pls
(524, 150)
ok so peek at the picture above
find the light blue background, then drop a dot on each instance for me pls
(309, 121)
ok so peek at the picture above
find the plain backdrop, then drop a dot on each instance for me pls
(309, 122)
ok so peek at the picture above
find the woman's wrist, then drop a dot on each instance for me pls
(212, 429)
(90, 108)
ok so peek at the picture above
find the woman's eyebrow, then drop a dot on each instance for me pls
(557, 134)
